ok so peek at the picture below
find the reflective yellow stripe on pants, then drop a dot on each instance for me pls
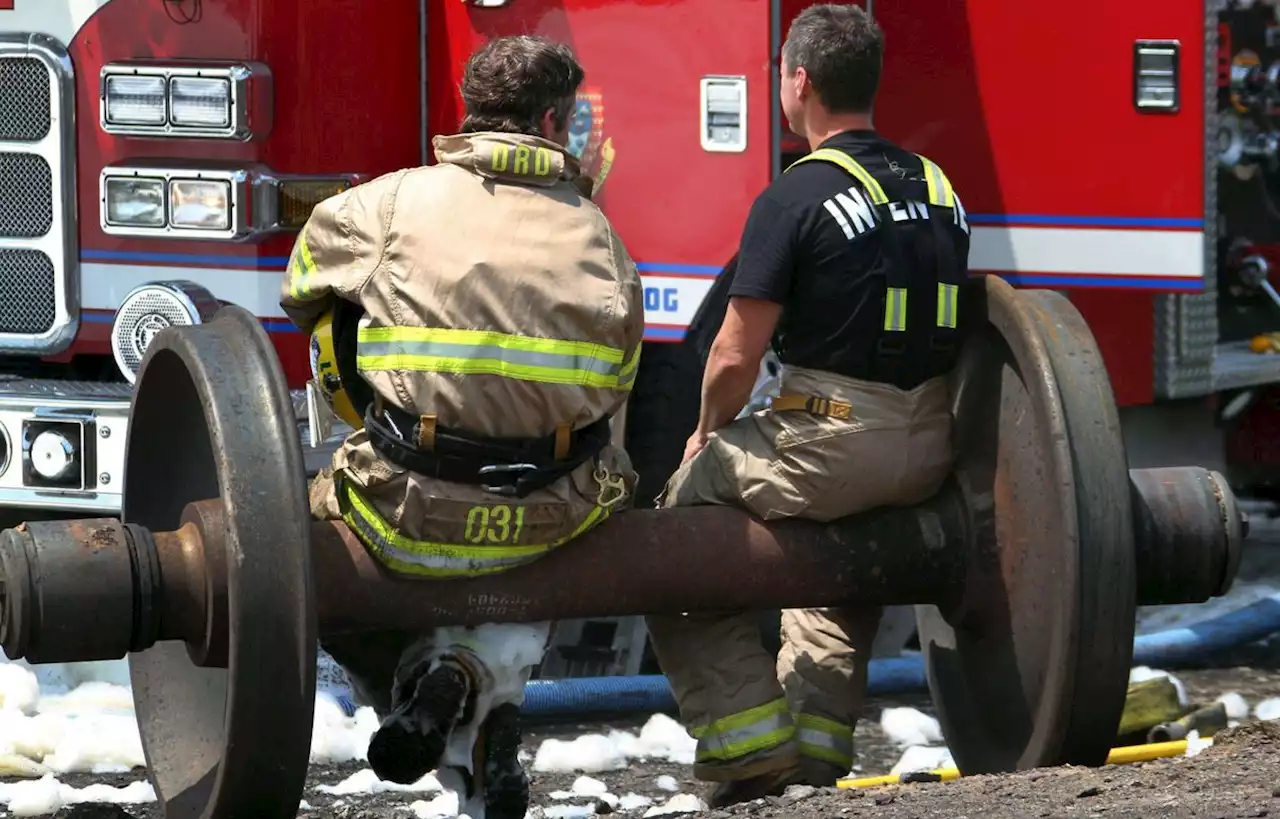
(484, 352)
(440, 560)
(746, 732)
(825, 739)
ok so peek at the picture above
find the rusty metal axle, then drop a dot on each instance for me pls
(138, 587)
(1028, 563)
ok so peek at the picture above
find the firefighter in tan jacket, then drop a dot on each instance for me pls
(498, 328)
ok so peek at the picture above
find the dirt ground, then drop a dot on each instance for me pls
(1239, 776)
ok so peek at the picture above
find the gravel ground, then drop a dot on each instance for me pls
(1239, 776)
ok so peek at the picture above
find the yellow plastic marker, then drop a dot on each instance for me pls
(1118, 756)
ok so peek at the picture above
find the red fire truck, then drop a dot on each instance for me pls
(158, 156)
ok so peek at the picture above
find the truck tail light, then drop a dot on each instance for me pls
(1155, 75)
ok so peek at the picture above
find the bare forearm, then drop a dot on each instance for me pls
(733, 365)
(726, 388)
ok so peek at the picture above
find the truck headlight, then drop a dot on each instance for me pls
(199, 204)
(133, 100)
(200, 102)
(176, 203)
(214, 100)
(133, 202)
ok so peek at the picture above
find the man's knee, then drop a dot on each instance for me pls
(370, 661)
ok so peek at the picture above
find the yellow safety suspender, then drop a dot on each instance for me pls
(941, 195)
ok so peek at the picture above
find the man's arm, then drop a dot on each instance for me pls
(336, 250)
(632, 307)
(761, 284)
(734, 362)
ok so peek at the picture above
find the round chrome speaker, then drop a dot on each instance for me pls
(150, 308)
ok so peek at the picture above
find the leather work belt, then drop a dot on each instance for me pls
(811, 403)
(513, 467)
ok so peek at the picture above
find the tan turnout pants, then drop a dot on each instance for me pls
(750, 717)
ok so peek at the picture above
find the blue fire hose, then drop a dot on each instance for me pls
(582, 696)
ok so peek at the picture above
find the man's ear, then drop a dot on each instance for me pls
(801, 80)
(548, 122)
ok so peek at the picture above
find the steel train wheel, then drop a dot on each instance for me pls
(231, 739)
(1030, 667)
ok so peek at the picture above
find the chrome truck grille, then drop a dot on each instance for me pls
(39, 291)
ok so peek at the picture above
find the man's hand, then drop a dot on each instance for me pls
(694, 445)
(734, 363)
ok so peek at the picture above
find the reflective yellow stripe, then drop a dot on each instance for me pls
(628, 372)
(301, 268)
(947, 297)
(895, 309)
(941, 193)
(483, 352)
(746, 732)
(440, 560)
(851, 166)
(825, 739)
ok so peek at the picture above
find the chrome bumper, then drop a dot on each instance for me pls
(92, 420)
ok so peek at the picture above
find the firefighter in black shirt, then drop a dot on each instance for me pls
(852, 264)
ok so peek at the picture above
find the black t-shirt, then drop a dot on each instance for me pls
(805, 250)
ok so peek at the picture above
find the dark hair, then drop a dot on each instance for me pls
(840, 48)
(510, 82)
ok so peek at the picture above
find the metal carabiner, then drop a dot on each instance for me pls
(609, 483)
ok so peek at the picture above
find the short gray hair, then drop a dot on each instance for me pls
(841, 49)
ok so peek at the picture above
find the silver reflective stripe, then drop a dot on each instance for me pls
(441, 559)
(823, 744)
(735, 742)
(445, 349)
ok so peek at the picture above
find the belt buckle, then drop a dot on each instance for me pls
(506, 490)
(840, 410)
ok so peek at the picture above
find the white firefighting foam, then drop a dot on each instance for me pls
(920, 736)
(60, 719)
(660, 738)
(64, 719)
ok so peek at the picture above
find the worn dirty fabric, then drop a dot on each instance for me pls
(750, 715)
(498, 302)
